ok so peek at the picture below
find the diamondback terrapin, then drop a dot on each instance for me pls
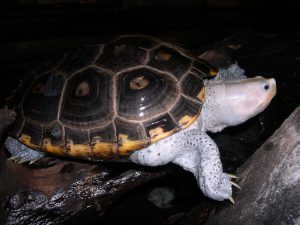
(135, 96)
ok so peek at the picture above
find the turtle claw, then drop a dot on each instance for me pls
(230, 199)
(12, 158)
(32, 161)
(18, 160)
(235, 184)
(232, 176)
(22, 161)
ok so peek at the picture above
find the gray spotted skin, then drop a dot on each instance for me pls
(233, 72)
(194, 151)
(210, 110)
(20, 151)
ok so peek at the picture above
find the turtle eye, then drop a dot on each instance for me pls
(267, 86)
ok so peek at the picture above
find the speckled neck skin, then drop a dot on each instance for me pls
(229, 103)
(211, 111)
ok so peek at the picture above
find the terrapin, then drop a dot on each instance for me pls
(135, 96)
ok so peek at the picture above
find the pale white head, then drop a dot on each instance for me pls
(232, 102)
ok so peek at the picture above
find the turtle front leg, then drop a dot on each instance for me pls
(196, 152)
(204, 161)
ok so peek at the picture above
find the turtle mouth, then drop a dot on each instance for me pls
(261, 107)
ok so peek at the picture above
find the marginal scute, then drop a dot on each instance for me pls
(158, 133)
(131, 136)
(203, 69)
(185, 112)
(104, 142)
(31, 135)
(49, 147)
(26, 139)
(104, 150)
(104, 134)
(77, 143)
(160, 127)
(127, 146)
(53, 140)
(187, 120)
(192, 86)
(77, 136)
(78, 150)
(201, 96)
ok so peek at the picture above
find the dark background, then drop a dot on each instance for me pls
(31, 30)
(34, 30)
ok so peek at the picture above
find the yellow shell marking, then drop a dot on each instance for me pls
(201, 95)
(82, 89)
(213, 72)
(26, 140)
(158, 133)
(53, 149)
(186, 120)
(126, 146)
(104, 149)
(163, 56)
(78, 150)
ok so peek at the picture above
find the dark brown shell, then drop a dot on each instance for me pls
(103, 101)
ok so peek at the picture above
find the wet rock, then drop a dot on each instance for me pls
(62, 192)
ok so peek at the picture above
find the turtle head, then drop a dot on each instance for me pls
(232, 102)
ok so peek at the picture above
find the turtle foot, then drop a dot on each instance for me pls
(21, 153)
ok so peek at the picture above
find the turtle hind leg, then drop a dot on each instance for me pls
(21, 153)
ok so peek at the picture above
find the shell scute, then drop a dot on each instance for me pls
(191, 86)
(89, 103)
(79, 58)
(160, 127)
(169, 60)
(131, 136)
(119, 56)
(185, 112)
(31, 135)
(151, 100)
(43, 95)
